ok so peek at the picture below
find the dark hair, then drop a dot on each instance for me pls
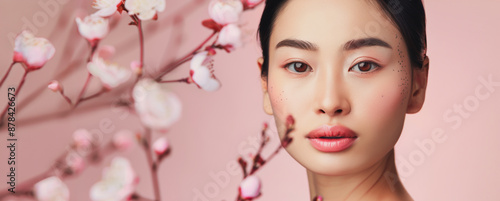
(407, 15)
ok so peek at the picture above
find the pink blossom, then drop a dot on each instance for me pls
(145, 9)
(51, 189)
(54, 86)
(82, 139)
(33, 52)
(93, 27)
(123, 140)
(106, 51)
(111, 75)
(75, 162)
(202, 73)
(160, 146)
(250, 187)
(230, 35)
(118, 182)
(106, 7)
(157, 108)
(136, 67)
(225, 11)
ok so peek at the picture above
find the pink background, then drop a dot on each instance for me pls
(216, 127)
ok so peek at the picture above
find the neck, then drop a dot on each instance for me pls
(378, 182)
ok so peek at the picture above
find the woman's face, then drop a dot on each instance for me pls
(339, 63)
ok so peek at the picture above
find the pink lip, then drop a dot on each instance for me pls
(331, 138)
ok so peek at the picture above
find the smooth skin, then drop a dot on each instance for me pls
(343, 62)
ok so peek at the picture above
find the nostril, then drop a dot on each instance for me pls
(339, 111)
(322, 111)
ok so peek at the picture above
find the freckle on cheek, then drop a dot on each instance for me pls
(404, 81)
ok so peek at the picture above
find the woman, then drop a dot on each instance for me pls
(348, 71)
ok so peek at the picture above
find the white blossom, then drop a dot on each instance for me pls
(51, 189)
(118, 182)
(111, 75)
(225, 11)
(93, 27)
(32, 51)
(145, 9)
(201, 72)
(156, 107)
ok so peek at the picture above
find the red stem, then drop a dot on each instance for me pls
(103, 90)
(7, 73)
(78, 100)
(141, 40)
(18, 88)
(152, 164)
(65, 97)
(184, 59)
(186, 80)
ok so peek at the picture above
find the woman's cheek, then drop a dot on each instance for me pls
(276, 96)
(383, 105)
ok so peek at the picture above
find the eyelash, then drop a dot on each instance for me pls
(373, 66)
(288, 65)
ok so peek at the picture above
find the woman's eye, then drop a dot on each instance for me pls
(365, 67)
(297, 67)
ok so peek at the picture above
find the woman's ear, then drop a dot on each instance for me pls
(419, 86)
(267, 102)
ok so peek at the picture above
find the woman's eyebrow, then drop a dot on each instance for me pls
(365, 42)
(300, 44)
(350, 45)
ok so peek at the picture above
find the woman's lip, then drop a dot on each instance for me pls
(331, 131)
(331, 145)
(322, 138)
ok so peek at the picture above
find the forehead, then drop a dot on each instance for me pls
(332, 22)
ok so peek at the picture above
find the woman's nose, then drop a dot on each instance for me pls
(331, 97)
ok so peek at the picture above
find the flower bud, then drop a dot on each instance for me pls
(54, 86)
(160, 146)
(82, 139)
(123, 140)
(250, 187)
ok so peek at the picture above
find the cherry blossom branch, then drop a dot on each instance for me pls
(141, 41)
(26, 186)
(65, 97)
(138, 23)
(102, 91)
(184, 59)
(186, 80)
(60, 168)
(146, 142)
(7, 73)
(250, 190)
(89, 76)
(84, 88)
(18, 88)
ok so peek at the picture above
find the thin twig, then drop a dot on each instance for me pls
(188, 56)
(18, 88)
(152, 164)
(84, 88)
(7, 73)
